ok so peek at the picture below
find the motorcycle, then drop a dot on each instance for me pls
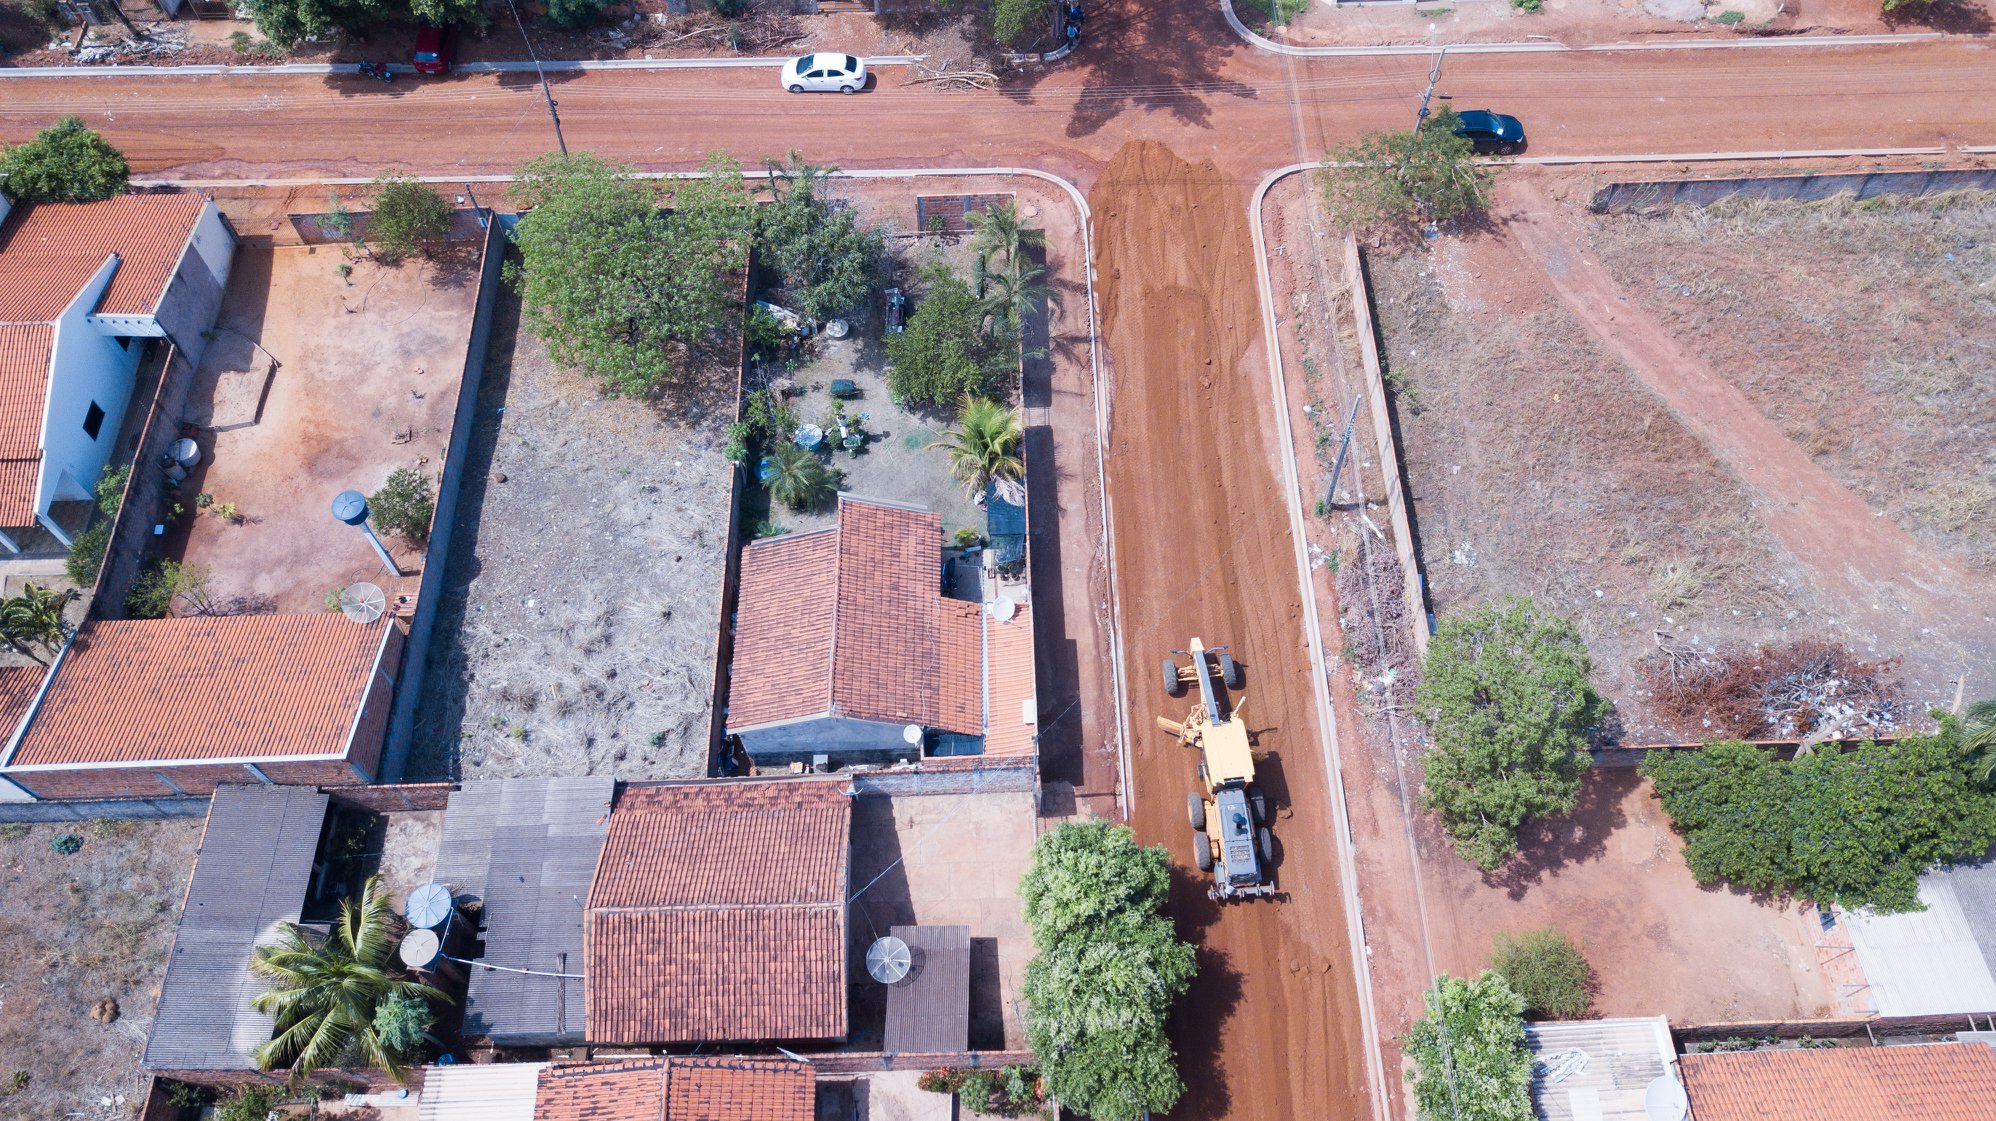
(383, 72)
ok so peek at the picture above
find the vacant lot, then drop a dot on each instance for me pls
(1538, 466)
(75, 931)
(578, 626)
(1866, 330)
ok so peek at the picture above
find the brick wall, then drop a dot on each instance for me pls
(391, 799)
(159, 782)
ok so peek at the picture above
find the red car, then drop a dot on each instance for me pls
(435, 47)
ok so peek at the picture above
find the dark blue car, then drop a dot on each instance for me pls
(1491, 132)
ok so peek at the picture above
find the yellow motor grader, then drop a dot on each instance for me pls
(1229, 818)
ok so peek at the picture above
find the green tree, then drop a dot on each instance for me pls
(827, 259)
(618, 288)
(798, 479)
(1854, 828)
(1109, 966)
(575, 13)
(984, 445)
(326, 992)
(997, 233)
(1427, 175)
(1010, 295)
(287, 21)
(1546, 970)
(944, 353)
(409, 216)
(1978, 740)
(35, 618)
(405, 504)
(1505, 696)
(65, 162)
(1014, 21)
(1468, 1050)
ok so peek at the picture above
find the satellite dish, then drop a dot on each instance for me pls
(1665, 1100)
(428, 907)
(363, 603)
(888, 960)
(420, 949)
(1002, 609)
(912, 734)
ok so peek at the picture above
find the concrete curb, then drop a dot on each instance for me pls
(1263, 43)
(568, 66)
(1320, 676)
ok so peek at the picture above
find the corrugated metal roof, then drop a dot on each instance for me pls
(1623, 1057)
(251, 873)
(479, 1092)
(527, 848)
(929, 1013)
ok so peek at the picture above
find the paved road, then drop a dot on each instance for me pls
(1270, 1033)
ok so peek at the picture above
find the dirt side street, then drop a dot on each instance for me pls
(1271, 1027)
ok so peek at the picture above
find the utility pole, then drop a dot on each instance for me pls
(1338, 465)
(542, 74)
(1434, 76)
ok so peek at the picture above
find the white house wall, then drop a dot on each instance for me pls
(193, 298)
(86, 366)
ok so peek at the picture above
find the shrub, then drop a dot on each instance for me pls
(574, 13)
(1469, 1054)
(798, 479)
(66, 162)
(86, 554)
(183, 1095)
(1528, 5)
(762, 335)
(168, 584)
(248, 1103)
(1854, 828)
(400, 1021)
(943, 355)
(1728, 19)
(1013, 21)
(1546, 970)
(408, 217)
(66, 843)
(404, 504)
(1505, 696)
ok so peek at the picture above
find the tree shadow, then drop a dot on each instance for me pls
(1548, 845)
(1959, 17)
(1196, 1020)
(1136, 56)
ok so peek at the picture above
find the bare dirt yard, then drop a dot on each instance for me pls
(77, 931)
(580, 615)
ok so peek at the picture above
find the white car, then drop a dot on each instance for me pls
(824, 72)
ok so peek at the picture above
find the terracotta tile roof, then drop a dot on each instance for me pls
(783, 629)
(884, 654)
(960, 679)
(1931, 1082)
(678, 1089)
(846, 620)
(235, 687)
(1012, 684)
(17, 689)
(24, 382)
(718, 913)
(49, 250)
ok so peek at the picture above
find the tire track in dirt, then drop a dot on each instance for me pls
(1271, 1028)
(1855, 557)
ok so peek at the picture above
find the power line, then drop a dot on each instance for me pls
(540, 73)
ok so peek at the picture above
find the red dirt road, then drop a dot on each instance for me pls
(1271, 1028)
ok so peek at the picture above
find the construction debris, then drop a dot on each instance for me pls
(1378, 637)
(1810, 691)
(946, 75)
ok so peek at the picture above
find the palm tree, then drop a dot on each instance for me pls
(1978, 739)
(998, 233)
(1011, 294)
(984, 445)
(797, 478)
(325, 992)
(793, 178)
(35, 616)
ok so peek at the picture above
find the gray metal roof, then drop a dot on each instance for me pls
(929, 1012)
(1622, 1057)
(527, 849)
(251, 873)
